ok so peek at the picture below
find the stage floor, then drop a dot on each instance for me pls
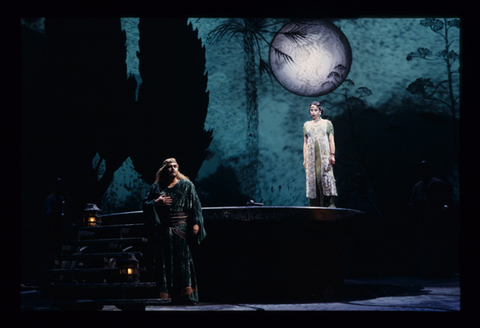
(361, 294)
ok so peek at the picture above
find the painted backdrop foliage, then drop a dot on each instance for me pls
(390, 131)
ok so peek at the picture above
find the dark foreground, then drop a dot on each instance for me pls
(369, 294)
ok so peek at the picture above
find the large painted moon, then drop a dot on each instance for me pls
(304, 54)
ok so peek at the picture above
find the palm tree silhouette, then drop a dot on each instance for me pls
(252, 32)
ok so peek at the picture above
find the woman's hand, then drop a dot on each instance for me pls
(332, 159)
(163, 200)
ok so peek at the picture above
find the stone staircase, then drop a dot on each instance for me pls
(109, 264)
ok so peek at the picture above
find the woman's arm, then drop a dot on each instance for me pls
(304, 149)
(332, 148)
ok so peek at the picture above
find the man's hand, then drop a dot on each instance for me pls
(163, 200)
(195, 229)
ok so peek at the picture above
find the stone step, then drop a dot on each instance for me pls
(86, 271)
(107, 240)
(103, 285)
(124, 304)
(106, 227)
(75, 257)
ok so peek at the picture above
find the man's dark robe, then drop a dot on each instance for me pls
(173, 266)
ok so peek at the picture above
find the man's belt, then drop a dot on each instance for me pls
(175, 218)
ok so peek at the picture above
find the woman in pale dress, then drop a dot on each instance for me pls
(319, 158)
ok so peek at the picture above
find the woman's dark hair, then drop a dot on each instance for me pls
(316, 103)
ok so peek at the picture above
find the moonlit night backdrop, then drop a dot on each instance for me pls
(105, 100)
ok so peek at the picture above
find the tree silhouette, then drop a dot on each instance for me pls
(173, 101)
(84, 105)
(351, 100)
(442, 91)
(252, 31)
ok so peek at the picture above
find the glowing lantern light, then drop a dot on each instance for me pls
(129, 269)
(92, 217)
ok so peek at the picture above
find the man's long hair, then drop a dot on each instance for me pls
(160, 175)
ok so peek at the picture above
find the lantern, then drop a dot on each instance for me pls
(91, 216)
(129, 269)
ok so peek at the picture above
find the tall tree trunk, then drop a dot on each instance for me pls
(452, 98)
(453, 110)
(252, 117)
